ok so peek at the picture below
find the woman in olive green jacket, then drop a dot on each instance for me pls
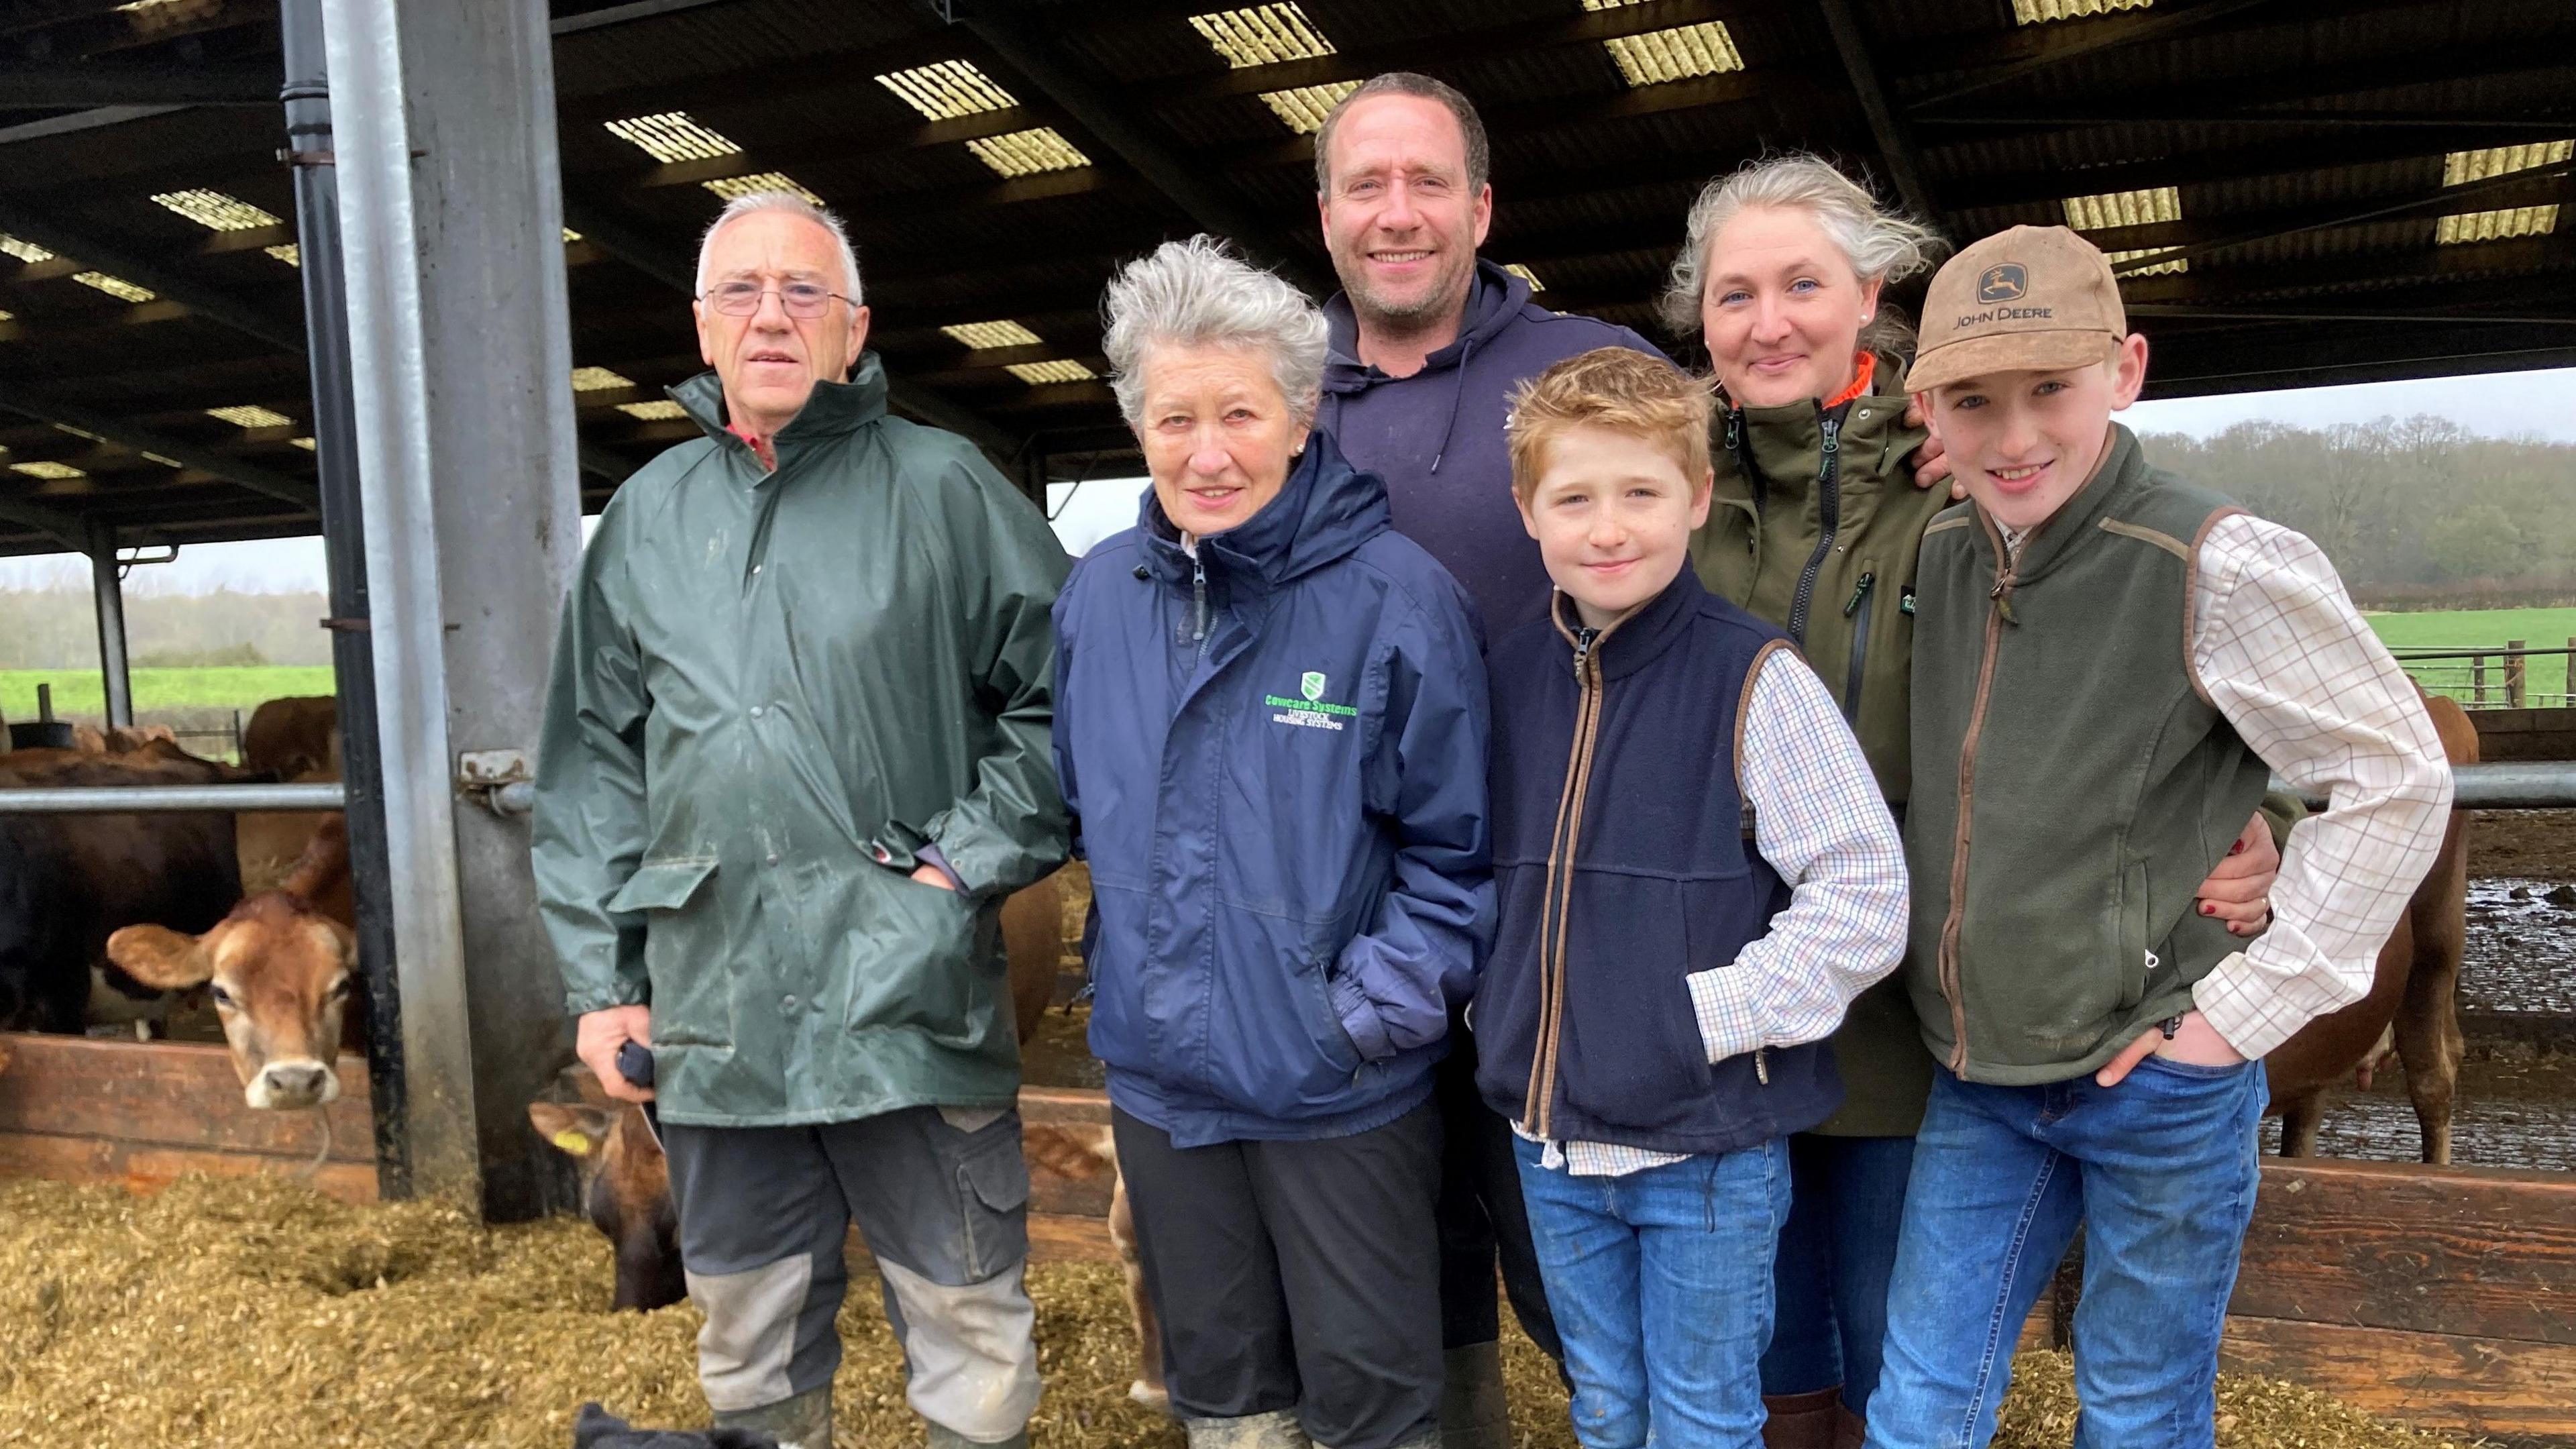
(1815, 526)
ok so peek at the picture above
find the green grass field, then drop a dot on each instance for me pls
(2477, 628)
(77, 693)
(2546, 674)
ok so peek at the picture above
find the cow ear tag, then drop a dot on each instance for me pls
(576, 1143)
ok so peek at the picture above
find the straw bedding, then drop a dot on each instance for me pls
(253, 1311)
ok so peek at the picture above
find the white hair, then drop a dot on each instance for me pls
(1196, 294)
(1882, 244)
(793, 205)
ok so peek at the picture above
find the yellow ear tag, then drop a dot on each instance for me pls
(576, 1143)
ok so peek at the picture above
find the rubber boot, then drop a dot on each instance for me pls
(1851, 1431)
(1473, 1414)
(803, 1422)
(1275, 1430)
(1802, 1421)
(943, 1437)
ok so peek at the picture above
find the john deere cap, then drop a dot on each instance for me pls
(2032, 299)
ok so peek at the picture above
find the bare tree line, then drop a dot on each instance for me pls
(2415, 512)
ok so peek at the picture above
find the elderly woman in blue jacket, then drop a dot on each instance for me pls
(1270, 725)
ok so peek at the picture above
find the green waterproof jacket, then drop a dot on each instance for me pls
(771, 690)
(1815, 526)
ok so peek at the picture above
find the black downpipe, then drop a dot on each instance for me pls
(335, 437)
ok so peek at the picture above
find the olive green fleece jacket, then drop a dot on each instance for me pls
(1829, 554)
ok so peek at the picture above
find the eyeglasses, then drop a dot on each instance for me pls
(806, 300)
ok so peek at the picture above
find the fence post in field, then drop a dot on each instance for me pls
(2568, 700)
(2477, 681)
(2515, 672)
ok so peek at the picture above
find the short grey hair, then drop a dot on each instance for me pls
(794, 205)
(1480, 151)
(1196, 293)
(1881, 243)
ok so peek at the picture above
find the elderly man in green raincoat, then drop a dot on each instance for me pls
(795, 756)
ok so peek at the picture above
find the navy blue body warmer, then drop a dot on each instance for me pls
(1613, 892)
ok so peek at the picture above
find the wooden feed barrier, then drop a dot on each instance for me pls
(2444, 1297)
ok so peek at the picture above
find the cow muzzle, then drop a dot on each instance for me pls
(292, 1084)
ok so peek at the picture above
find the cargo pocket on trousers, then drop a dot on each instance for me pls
(993, 1199)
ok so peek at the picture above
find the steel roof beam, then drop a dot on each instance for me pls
(1014, 35)
(2060, 45)
(18, 398)
(62, 87)
(72, 533)
(1895, 143)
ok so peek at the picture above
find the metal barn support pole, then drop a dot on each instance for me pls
(307, 98)
(460, 355)
(108, 599)
(2517, 673)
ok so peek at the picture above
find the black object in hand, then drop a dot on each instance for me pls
(635, 1063)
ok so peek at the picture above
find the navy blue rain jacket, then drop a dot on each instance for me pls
(1275, 755)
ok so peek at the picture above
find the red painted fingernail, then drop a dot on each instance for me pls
(2237, 849)
(2207, 909)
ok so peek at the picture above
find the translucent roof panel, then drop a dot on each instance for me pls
(2040, 12)
(1526, 275)
(289, 253)
(2462, 167)
(660, 410)
(1683, 53)
(731, 187)
(1027, 153)
(983, 335)
(49, 470)
(215, 211)
(1061, 370)
(117, 287)
(2161, 269)
(1305, 107)
(25, 251)
(2504, 225)
(2124, 208)
(1261, 35)
(598, 379)
(947, 90)
(250, 415)
(669, 136)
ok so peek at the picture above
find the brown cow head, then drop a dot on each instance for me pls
(281, 977)
(626, 1189)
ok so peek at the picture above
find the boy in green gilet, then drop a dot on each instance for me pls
(2109, 662)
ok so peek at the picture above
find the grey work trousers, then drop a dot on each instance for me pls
(942, 1196)
(1297, 1276)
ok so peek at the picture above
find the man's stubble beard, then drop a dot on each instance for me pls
(1411, 319)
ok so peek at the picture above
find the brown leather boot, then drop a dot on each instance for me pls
(1850, 1429)
(1802, 1421)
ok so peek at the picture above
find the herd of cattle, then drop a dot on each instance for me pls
(114, 919)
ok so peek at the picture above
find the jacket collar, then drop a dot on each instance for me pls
(1494, 298)
(1777, 447)
(835, 409)
(1325, 510)
(2122, 467)
(1635, 639)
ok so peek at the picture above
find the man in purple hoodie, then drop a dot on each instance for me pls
(1428, 342)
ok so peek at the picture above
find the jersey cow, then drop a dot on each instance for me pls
(2413, 995)
(626, 1185)
(282, 975)
(68, 881)
(292, 736)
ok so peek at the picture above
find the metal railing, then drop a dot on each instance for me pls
(2536, 785)
(2464, 674)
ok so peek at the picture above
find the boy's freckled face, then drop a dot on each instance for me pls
(1613, 516)
(2025, 442)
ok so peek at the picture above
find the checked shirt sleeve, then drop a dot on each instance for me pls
(1819, 820)
(2286, 658)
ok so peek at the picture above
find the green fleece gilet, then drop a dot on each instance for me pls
(1780, 526)
(2073, 782)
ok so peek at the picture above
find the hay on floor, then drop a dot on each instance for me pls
(255, 1312)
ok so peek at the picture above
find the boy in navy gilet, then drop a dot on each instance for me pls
(1697, 874)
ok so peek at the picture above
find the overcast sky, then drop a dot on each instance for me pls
(2500, 405)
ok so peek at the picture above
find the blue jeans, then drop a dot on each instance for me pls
(1837, 1252)
(1661, 1284)
(2159, 1171)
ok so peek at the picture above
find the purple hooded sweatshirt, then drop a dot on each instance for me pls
(1437, 437)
